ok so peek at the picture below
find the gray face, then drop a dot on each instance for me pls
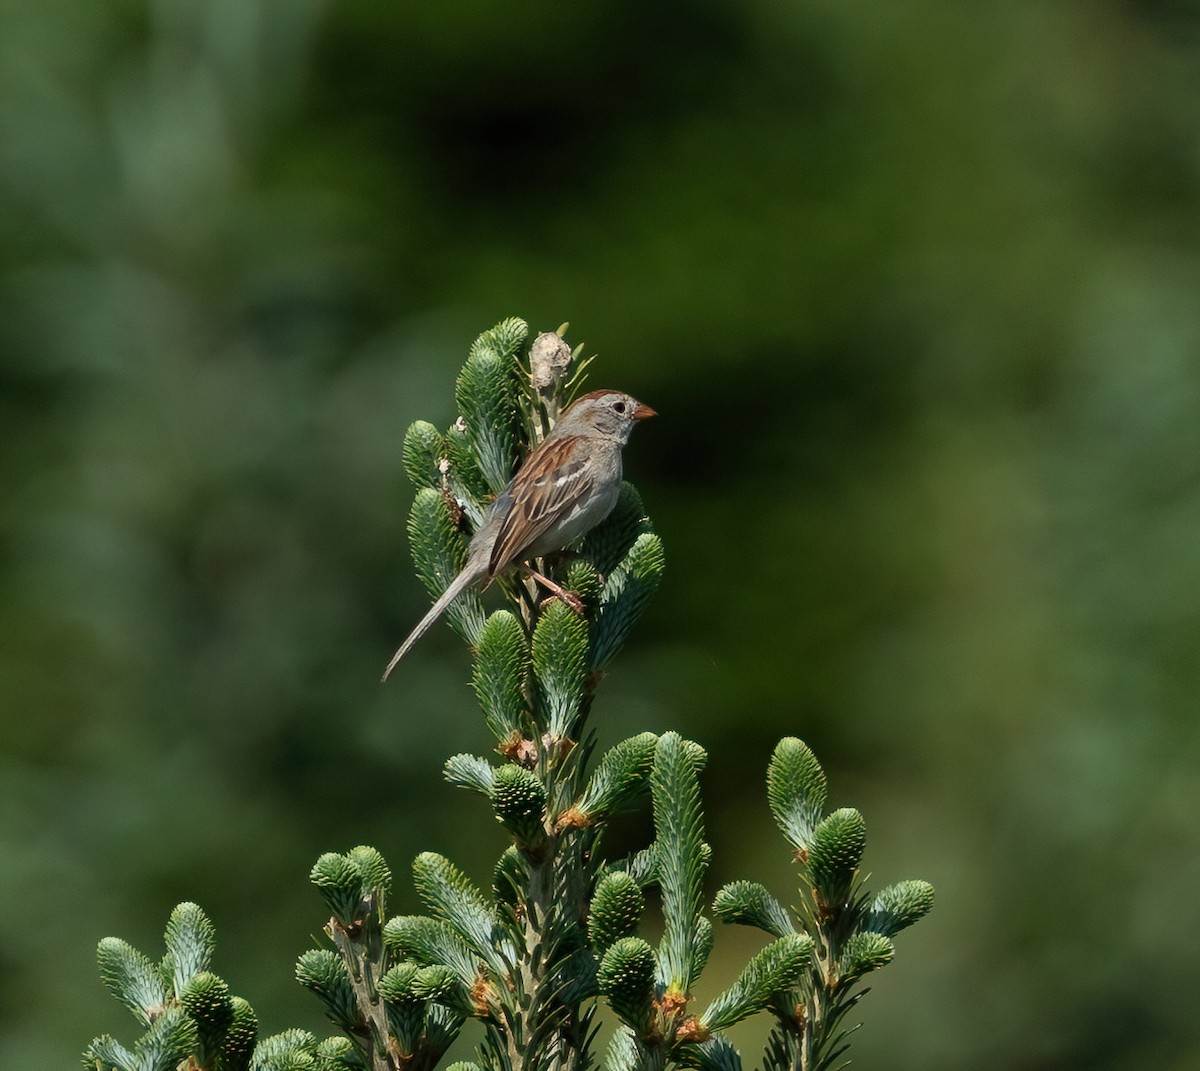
(613, 415)
(608, 413)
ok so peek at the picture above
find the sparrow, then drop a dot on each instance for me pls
(566, 486)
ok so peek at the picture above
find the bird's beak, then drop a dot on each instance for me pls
(643, 412)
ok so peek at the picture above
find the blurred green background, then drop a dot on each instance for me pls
(914, 288)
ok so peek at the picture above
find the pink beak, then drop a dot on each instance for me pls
(643, 412)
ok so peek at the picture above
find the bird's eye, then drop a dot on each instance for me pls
(619, 407)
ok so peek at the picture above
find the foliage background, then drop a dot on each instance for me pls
(913, 286)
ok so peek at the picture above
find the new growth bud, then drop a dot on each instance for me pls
(549, 359)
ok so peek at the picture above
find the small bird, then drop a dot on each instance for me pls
(566, 486)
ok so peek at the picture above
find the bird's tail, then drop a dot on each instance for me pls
(464, 580)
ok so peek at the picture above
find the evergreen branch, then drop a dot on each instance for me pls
(486, 395)
(439, 551)
(509, 879)
(465, 484)
(441, 1026)
(626, 978)
(624, 1053)
(132, 978)
(450, 896)
(421, 455)
(431, 941)
(679, 854)
(354, 886)
(862, 953)
(606, 545)
(285, 1051)
(105, 1053)
(775, 968)
(237, 1048)
(834, 855)
(498, 676)
(626, 593)
(426, 1007)
(471, 771)
(209, 1005)
(520, 802)
(323, 972)
(851, 931)
(171, 1039)
(898, 906)
(559, 665)
(616, 910)
(796, 791)
(560, 924)
(361, 949)
(374, 873)
(749, 903)
(642, 866)
(702, 943)
(621, 774)
(714, 1054)
(190, 939)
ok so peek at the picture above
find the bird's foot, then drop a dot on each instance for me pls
(569, 597)
(557, 591)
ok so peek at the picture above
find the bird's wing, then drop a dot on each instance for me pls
(553, 480)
